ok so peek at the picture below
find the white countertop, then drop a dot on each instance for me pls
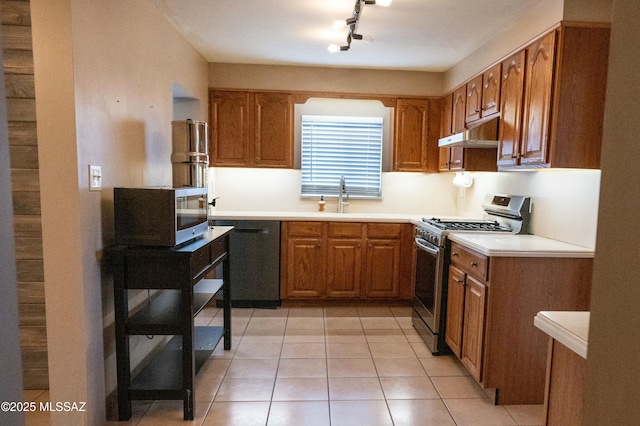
(571, 328)
(510, 245)
(492, 244)
(317, 216)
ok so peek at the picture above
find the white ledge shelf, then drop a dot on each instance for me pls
(571, 328)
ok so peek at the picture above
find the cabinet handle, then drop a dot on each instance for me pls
(454, 254)
(460, 282)
(474, 265)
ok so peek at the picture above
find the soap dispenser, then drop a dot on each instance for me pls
(321, 204)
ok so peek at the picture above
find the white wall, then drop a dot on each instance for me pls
(275, 190)
(565, 202)
(104, 75)
(544, 15)
(276, 77)
(612, 388)
(538, 20)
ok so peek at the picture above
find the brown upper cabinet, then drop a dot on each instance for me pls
(537, 100)
(250, 129)
(474, 100)
(458, 113)
(458, 158)
(561, 117)
(449, 158)
(417, 129)
(483, 95)
(511, 107)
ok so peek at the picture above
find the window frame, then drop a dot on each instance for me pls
(318, 136)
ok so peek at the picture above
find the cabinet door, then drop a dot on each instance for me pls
(446, 114)
(491, 91)
(473, 326)
(444, 158)
(230, 134)
(344, 262)
(273, 130)
(459, 109)
(382, 275)
(474, 100)
(410, 144)
(305, 267)
(456, 158)
(537, 100)
(455, 309)
(511, 106)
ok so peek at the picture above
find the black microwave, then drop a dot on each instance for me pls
(159, 216)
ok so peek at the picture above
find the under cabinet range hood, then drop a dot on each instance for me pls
(481, 135)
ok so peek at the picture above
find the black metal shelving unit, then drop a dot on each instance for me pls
(180, 273)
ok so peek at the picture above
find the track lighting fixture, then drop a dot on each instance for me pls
(352, 24)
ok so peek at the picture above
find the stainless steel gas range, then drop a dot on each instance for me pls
(503, 213)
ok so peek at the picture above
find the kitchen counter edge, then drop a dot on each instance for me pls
(571, 328)
(510, 245)
(316, 216)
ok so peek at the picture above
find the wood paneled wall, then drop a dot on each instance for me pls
(23, 146)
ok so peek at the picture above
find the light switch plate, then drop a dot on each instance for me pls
(95, 178)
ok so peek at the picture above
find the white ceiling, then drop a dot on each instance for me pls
(418, 35)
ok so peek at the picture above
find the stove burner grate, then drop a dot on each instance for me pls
(466, 225)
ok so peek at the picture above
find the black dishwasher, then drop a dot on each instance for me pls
(254, 263)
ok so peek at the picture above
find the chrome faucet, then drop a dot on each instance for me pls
(341, 193)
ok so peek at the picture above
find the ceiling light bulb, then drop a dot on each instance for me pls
(333, 48)
(383, 3)
(365, 38)
(339, 24)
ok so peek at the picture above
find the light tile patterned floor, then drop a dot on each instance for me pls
(330, 366)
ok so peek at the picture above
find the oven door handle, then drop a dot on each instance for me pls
(427, 246)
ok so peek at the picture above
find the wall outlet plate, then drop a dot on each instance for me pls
(95, 178)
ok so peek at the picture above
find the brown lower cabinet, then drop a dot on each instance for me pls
(566, 373)
(491, 304)
(346, 260)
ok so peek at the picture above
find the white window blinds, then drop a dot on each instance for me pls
(341, 146)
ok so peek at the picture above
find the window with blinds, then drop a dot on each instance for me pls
(341, 146)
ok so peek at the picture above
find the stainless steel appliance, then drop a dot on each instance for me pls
(159, 216)
(483, 135)
(190, 157)
(503, 213)
(254, 252)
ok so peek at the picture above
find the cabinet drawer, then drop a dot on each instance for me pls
(384, 230)
(471, 262)
(218, 249)
(304, 229)
(200, 259)
(345, 230)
